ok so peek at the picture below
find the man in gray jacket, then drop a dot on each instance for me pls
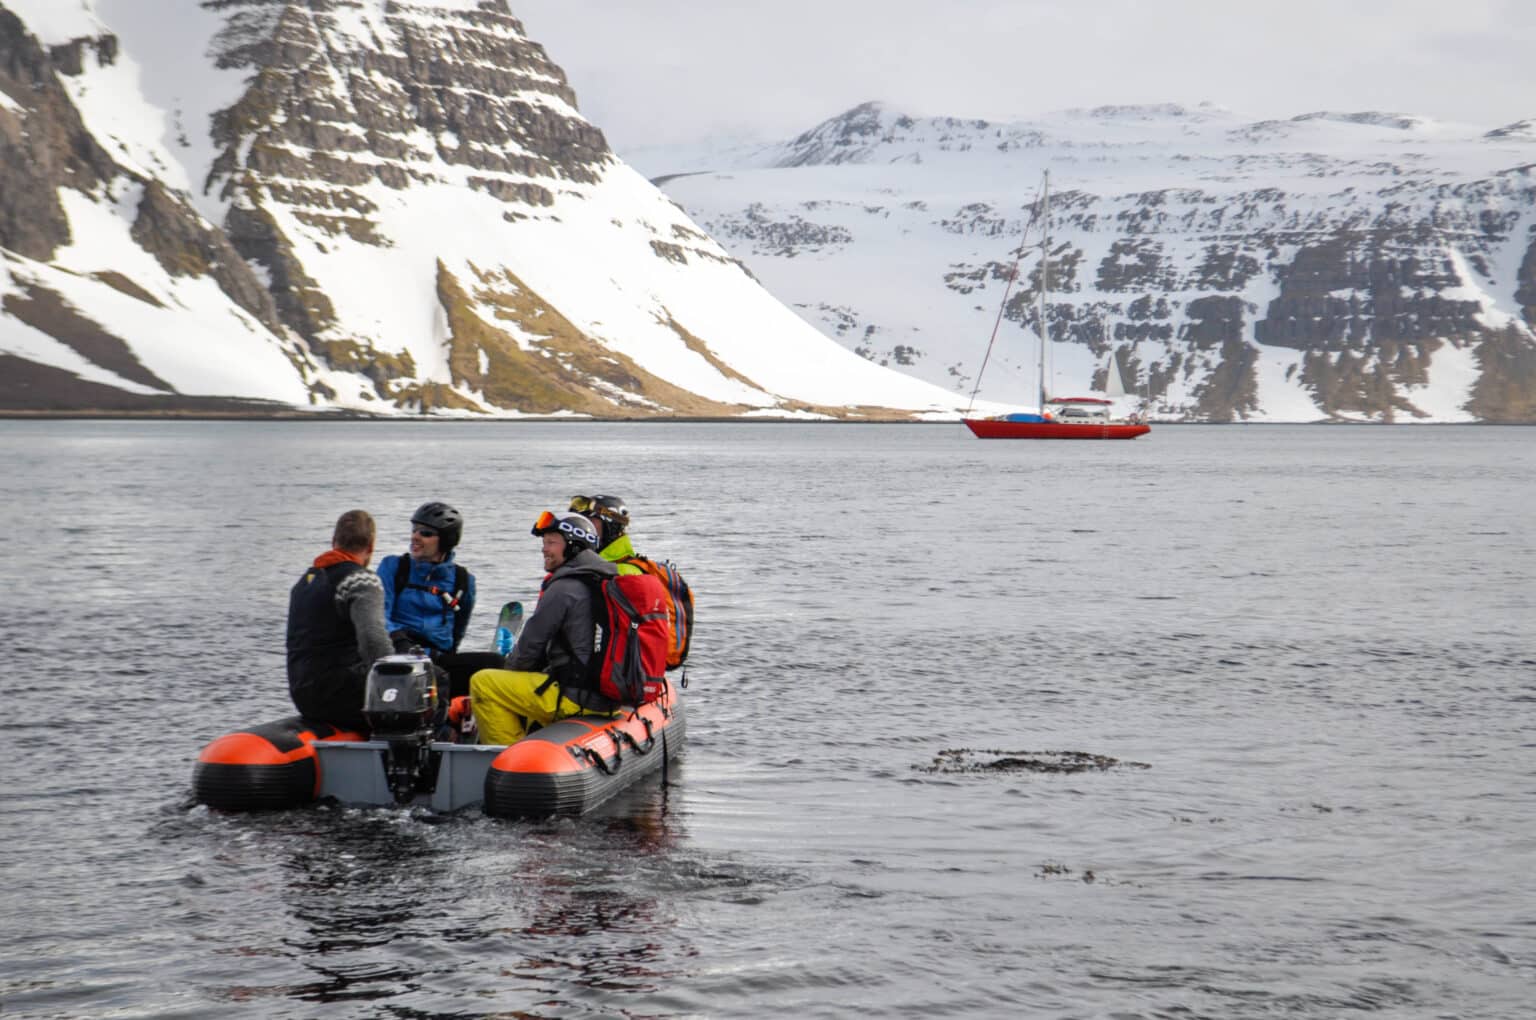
(547, 676)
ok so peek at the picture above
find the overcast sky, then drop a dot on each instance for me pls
(647, 71)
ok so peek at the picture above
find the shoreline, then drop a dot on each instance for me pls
(294, 415)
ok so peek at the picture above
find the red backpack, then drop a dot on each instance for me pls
(679, 606)
(632, 655)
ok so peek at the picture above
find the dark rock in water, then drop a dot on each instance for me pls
(964, 760)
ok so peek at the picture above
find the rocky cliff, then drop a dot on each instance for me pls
(1332, 266)
(373, 204)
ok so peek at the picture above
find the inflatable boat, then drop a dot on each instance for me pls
(566, 768)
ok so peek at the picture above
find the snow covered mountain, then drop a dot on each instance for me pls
(386, 205)
(1333, 266)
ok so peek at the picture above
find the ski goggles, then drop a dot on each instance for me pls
(547, 522)
(583, 504)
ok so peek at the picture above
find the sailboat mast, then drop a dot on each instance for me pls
(1045, 276)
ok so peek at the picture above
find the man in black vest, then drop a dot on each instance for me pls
(336, 626)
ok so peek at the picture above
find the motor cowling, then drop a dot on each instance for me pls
(400, 698)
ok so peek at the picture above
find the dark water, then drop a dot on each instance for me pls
(1319, 640)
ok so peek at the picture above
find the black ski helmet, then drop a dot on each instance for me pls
(578, 532)
(443, 519)
(609, 514)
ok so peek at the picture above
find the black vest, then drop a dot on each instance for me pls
(321, 639)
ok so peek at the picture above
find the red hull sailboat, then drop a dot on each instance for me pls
(1003, 428)
(1059, 417)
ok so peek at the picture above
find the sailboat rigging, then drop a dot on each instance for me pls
(1059, 417)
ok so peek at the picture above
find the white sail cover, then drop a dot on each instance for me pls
(1114, 384)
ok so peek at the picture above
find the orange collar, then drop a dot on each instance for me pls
(331, 557)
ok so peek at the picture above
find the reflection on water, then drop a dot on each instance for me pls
(598, 924)
(567, 917)
(376, 903)
(1318, 640)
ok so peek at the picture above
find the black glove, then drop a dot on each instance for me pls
(404, 643)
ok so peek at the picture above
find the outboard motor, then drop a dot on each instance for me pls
(400, 706)
(401, 696)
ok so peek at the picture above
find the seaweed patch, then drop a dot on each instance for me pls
(965, 760)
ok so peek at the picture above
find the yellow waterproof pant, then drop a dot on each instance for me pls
(505, 704)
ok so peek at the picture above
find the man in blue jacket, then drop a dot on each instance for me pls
(428, 598)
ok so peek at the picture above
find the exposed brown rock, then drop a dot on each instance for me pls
(45, 148)
(69, 58)
(170, 230)
(320, 110)
(28, 386)
(123, 285)
(566, 370)
(299, 302)
(1231, 390)
(1135, 263)
(1506, 389)
(381, 368)
(1214, 322)
(48, 312)
(699, 347)
(1358, 384)
(1525, 290)
(669, 251)
(1310, 314)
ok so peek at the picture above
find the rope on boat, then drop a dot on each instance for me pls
(620, 738)
(596, 758)
(1013, 274)
(634, 744)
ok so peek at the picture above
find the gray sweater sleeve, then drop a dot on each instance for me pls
(361, 595)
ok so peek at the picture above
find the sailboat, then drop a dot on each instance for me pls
(1059, 417)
